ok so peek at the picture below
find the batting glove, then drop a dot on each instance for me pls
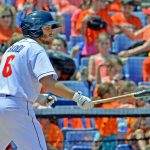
(83, 101)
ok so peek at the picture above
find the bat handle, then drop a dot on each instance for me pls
(112, 99)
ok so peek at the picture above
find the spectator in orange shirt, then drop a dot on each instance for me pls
(14, 38)
(66, 6)
(7, 23)
(114, 6)
(139, 129)
(107, 126)
(53, 135)
(146, 70)
(98, 8)
(74, 19)
(40, 5)
(125, 18)
(142, 34)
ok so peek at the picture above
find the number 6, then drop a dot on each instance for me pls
(7, 70)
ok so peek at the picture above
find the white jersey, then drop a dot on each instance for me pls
(22, 66)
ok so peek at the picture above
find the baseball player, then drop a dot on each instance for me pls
(25, 67)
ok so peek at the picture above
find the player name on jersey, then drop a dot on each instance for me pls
(16, 48)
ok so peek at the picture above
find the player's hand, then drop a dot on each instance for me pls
(46, 99)
(51, 99)
(83, 101)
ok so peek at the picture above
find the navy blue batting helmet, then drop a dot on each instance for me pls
(32, 23)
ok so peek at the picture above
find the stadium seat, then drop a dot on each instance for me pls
(69, 46)
(78, 137)
(144, 83)
(9, 2)
(80, 148)
(133, 69)
(124, 147)
(139, 14)
(121, 42)
(67, 18)
(76, 39)
(84, 123)
(78, 86)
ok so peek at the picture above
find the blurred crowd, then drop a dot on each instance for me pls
(96, 25)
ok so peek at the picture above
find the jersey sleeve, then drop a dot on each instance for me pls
(41, 66)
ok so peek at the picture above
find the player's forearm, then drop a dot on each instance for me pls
(57, 88)
(60, 90)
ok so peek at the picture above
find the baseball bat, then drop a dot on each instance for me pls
(143, 95)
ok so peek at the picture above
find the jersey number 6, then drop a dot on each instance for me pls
(7, 70)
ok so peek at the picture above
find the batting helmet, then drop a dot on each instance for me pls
(32, 23)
